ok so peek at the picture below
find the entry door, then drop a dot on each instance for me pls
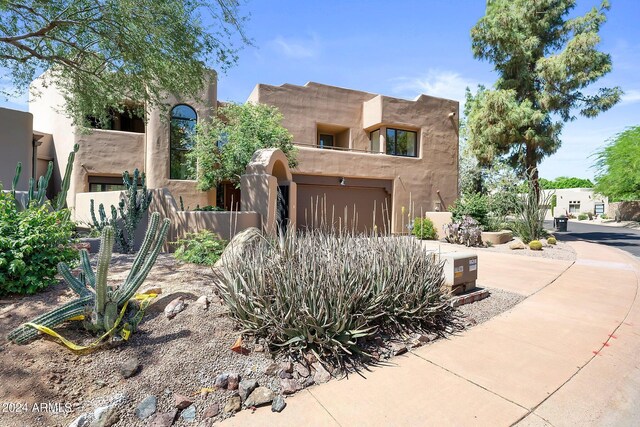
(282, 208)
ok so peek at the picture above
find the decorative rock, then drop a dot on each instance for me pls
(182, 401)
(105, 416)
(290, 386)
(246, 387)
(84, 420)
(259, 396)
(174, 307)
(203, 302)
(237, 245)
(232, 382)
(211, 411)
(516, 245)
(321, 375)
(308, 382)
(189, 414)
(130, 367)
(397, 348)
(272, 369)
(285, 375)
(146, 407)
(164, 420)
(286, 367)
(424, 338)
(278, 404)
(310, 358)
(302, 370)
(259, 348)
(233, 405)
(151, 290)
(221, 381)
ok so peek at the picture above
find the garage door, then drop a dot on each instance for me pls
(343, 204)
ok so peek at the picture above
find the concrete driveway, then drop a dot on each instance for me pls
(627, 239)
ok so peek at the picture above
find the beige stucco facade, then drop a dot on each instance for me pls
(358, 179)
(107, 153)
(423, 183)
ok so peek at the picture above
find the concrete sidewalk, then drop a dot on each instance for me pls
(567, 355)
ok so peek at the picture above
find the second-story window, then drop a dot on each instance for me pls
(325, 141)
(402, 142)
(182, 128)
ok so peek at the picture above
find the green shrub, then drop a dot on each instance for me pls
(324, 292)
(535, 245)
(203, 247)
(474, 205)
(423, 229)
(209, 208)
(552, 241)
(604, 216)
(582, 217)
(32, 243)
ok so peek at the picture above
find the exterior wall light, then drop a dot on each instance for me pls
(343, 181)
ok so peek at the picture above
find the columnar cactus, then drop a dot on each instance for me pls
(100, 303)
(132, 208)
(104, 221)
(37, 193)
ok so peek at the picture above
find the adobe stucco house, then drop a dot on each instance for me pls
(357, 151)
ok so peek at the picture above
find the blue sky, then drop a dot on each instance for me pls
(404, 48)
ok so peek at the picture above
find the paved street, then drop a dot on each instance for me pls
(626, 239)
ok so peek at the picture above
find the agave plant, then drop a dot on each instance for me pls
(323, 292)
(99, 303)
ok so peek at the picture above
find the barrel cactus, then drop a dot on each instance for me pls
(99, 303)
(552, 241)
(535, 245)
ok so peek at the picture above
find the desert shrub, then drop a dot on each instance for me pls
(552, 241)
(423, 229)
(535, 245)
(209, 208)
(203, 247)
(475, 205)
(582, 217)
(530, 214)
(32, 243)
(466, 232)
(324, 292)
(604, 216)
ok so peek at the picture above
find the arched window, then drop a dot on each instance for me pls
(182, 128)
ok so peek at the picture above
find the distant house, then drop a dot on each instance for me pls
(370, 157)
(576, 201)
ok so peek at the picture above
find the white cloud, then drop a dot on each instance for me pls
(440, 83)
(297, 48)
(631, 96)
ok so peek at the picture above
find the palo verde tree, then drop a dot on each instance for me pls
(104, 54)
(225, 144)
(544, 62)
(618, 166)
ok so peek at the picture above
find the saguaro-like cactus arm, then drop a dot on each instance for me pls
(24, 333)
(85, 263)
(104, 258)
(16, 178)
(146, 245)
(130, 287)
(74, 283)
(61, 200)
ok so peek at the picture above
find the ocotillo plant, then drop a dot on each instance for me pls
(37, 192)
(100, 303)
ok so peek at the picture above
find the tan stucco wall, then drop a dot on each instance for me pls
(16, 145)
(109, 153)
(157, 146)
(46, 104)
(416, 181)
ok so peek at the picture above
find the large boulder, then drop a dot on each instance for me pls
(238, 244)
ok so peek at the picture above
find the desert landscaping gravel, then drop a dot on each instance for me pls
(167, 362)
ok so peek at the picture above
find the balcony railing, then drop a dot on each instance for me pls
(334, 148)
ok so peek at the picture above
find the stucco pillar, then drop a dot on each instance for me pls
(383, 140)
